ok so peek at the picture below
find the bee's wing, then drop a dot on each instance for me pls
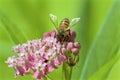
(54, 20)
(73, 22)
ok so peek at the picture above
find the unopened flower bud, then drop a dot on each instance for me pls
(70, 45)
(46, 34)
(52, 33)
(64, 50)
(72, 35)
(62, 58)
(76, 44)
(75, 51)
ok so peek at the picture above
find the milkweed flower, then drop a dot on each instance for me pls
(42, 56)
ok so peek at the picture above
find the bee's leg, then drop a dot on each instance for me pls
(63, 40)
(68, 35)
(69, 32)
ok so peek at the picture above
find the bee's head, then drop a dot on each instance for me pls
(61, 33)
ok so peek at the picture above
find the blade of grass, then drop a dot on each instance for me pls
(114, 74)
(15, 33)
(104, 43)
(101, 73)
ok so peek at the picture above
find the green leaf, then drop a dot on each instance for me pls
(105, 44)
(101, 73)
(15, 33)
(115, 72)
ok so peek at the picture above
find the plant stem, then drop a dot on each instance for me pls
(70, 75)
(49, 78)
(45, 78)
(65, 72)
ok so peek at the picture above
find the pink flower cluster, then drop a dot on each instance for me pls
(40, 57)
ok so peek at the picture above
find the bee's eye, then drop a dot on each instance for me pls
(61, 35)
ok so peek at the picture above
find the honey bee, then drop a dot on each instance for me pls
(63, 28)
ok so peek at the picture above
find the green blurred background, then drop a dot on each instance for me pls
(98, 32)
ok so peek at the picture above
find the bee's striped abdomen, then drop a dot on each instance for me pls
(64, 23)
